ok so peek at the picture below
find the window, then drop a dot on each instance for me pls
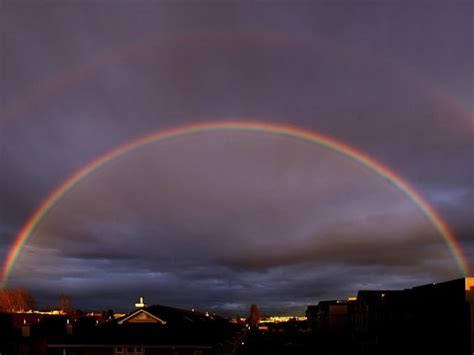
(130, 351)
(197, 352)
(138, 351)
(118, 351)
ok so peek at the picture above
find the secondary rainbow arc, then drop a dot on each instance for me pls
(82, 70)
(279, 129)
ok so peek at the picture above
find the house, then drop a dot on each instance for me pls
(153, 330)
(29, 333)
(369, 319)
(435, 318)
(330, 322)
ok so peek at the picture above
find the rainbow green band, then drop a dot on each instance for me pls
(278, 129)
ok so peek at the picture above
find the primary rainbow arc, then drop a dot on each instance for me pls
(278, 129)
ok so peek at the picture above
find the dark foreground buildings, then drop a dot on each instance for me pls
(154, 330)
(428, 319)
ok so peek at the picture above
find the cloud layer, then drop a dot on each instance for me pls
(225, 220)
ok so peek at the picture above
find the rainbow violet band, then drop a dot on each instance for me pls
(277, 129)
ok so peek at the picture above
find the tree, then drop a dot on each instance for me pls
(254, 317)
(16, 300)
(108, 314)
(65, 303)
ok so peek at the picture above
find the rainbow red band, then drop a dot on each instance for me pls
(283, 130)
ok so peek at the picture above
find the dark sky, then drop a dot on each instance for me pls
(225, 219)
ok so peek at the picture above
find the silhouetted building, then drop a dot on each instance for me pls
(154, 330)
(312, 317)
(7, 334)
(330, 322)
(30, 333)
(428, 319)
(370, 320)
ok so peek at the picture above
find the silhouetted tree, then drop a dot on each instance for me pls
(65, 303)
(16, 300)
(254, 317)
(108, 314)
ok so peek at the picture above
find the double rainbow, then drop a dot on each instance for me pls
(277, 129)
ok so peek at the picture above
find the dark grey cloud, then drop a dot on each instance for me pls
(234, 212)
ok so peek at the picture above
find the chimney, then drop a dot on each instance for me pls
(25, 329)
(68, 327)
(141, 303)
